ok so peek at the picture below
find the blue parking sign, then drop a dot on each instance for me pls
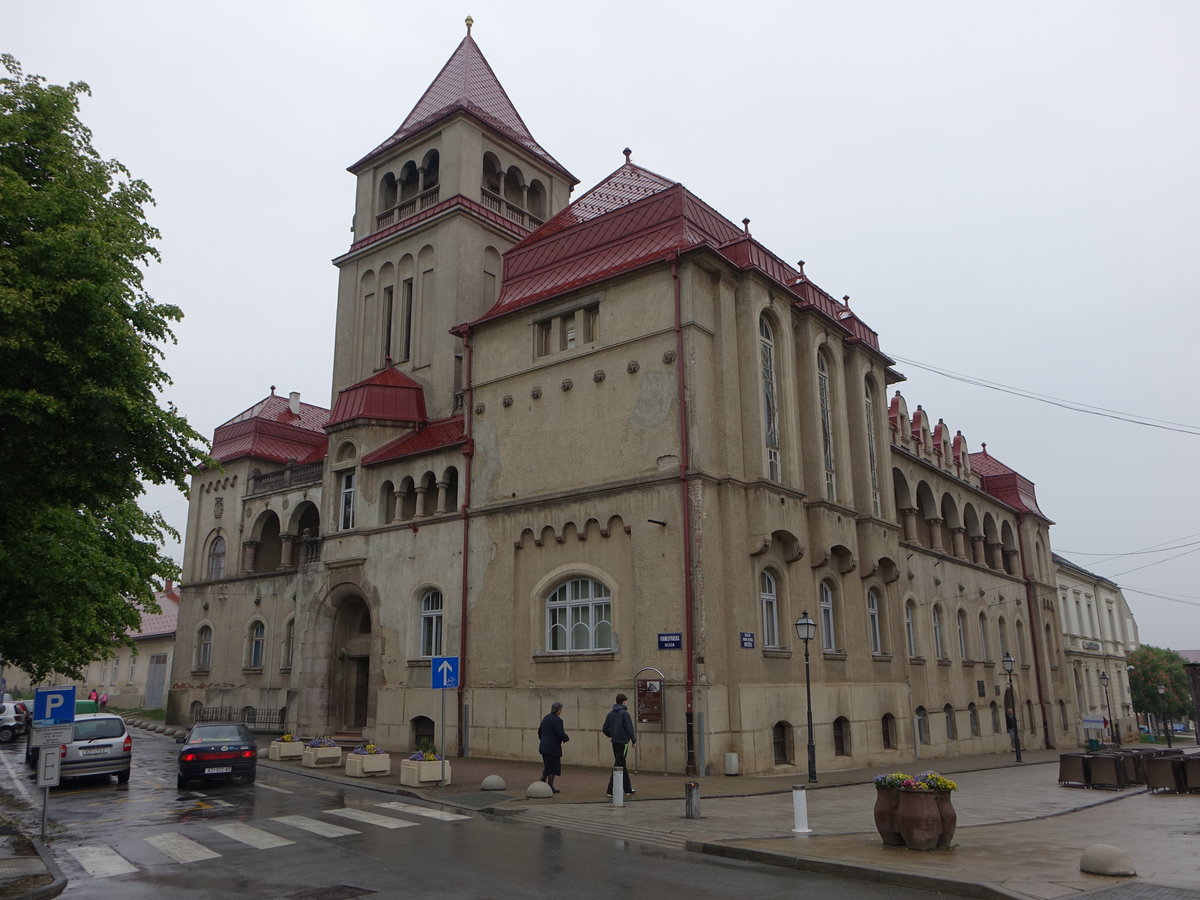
(54, 706)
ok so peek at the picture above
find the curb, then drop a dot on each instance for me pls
(55, 887)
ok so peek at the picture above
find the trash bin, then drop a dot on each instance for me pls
(732, 766)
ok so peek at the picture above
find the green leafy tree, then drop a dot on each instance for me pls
(1154, 667)
(81, 426)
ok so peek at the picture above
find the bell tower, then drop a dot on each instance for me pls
(438, 203)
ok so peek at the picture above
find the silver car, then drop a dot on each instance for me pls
(102, 746)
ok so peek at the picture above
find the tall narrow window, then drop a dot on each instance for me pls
(910, 629)
(962, 635)
(939, 643)
(828, 626)
(346, 519)
(951, 722)
(983, 637)
(873, 629)
(1003, 630)
(766, 350)
(579, 616)
(542, 332)
(973, 716)
(841, 736)
(216, 559)
(289, 644)
(254, 659)
(869, 402)
(770, 609)
(826, 426)
(591, 324)
(888, 724)
(406, 316)
(388, 302)
(132, 667)
(922, 725)
(204, 648)
(431, 623)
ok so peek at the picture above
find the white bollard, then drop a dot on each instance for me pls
(800, 809)
(618, 787)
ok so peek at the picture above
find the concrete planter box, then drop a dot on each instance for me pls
(415, 774)
(285, 749)
(362, 765)
(317, 757)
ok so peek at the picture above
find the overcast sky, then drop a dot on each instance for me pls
(1007, 191)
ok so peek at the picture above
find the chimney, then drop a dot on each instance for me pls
(169, 586)
(294, 402)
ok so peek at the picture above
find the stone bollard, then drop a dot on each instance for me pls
(691, 794)
(1105, 859)
(800, 809)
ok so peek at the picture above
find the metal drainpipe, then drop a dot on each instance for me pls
(468, 452)
(684, 466)
(1035, 625)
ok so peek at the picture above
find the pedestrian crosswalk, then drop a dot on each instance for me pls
(101, 861)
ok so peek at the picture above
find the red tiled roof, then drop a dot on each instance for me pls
(467, 84)
(389, 394)
(161, 623)
(436, 435)
(1005, 484)
(270, 431)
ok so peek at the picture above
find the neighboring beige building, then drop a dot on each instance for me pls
(575, 445)
(1098, 630)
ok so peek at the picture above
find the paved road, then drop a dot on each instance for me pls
(288, 836)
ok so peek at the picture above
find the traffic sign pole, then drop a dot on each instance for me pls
(444, 676)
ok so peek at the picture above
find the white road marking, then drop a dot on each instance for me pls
(248, 834)
(362, 815)
(271, 787)
(212, 802)
(17, 779)
(179, 848)
(101, 862)
(324, 829)
(424, 811)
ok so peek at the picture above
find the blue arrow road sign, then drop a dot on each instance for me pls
(445, 672)
(54, 706)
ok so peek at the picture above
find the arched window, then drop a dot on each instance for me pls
(951, 723)
(770, 609)
(828, 625)
(983, 637)
(1002, 628)
(216, 559)
(579, 616)
(431, 623)
(869, 403)
(1062, 714)
(939, 643)
(826, 408)
(289, 643)
(766, 351)
(781, 743)
(874, 630)
(973, 715)
(841, 736)
(203, 658)
(1032, 722)
(995, 718)
(1020, 643)
(254, 652)
(888, 724)
(910, 629)
(922, 725)
(346, 516)
(196, 708)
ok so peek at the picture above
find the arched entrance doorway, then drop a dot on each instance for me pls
(351, 665)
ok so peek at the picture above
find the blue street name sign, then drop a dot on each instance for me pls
(672, 640)
(54, 706)
(445, 672)
(747, 640)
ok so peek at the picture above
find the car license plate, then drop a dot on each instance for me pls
(218, 770)
(92, 751)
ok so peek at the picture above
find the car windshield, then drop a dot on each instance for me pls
(210, 733)
(89, 729)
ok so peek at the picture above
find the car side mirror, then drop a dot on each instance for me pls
(180, 740)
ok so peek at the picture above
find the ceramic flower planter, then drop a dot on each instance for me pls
(886, 801)
(318, 757)
(362, 765)
(285, 750)
(925, 820)
(416, 773)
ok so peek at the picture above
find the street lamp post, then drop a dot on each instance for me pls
(1112, 723)
(1010, 666)
(806, 630)
(1162, 709)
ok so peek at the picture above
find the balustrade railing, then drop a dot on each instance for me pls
(496, 203)
(290, 476)
(410, 207)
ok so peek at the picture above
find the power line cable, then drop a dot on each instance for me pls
(1159, 563)
(1129, 553)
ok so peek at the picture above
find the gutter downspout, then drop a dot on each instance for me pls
(688, 581)
(1035, 627)
(468, 452)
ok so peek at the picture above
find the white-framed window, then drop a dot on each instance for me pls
(432, 604)
(828, 623)
(346, 514)
(873, 627)
(254, 654)
(770, 609)
(869, 403)
(216, 558)
(910, 629)
(132, 667)
(203, 657)
(579, 616)
(289, 643)
(826, 409)
(939, 643)
(962, 635)
(766, 351)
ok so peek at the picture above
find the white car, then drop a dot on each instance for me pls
(102, 745)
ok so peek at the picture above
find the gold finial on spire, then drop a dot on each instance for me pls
(470, 22)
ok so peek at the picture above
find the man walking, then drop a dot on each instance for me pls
(618, 728)
(551, 736)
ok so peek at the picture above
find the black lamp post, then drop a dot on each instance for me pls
(1010, 666)
(1112, 723)
(806, 630)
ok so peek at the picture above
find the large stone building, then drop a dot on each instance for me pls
(577, 443)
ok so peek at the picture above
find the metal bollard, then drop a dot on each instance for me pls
(691, 794)
(800, 809)
(618, 782)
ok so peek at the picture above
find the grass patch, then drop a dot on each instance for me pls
(158, 715)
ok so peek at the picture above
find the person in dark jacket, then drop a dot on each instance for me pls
(551, 736)
(618, 728)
